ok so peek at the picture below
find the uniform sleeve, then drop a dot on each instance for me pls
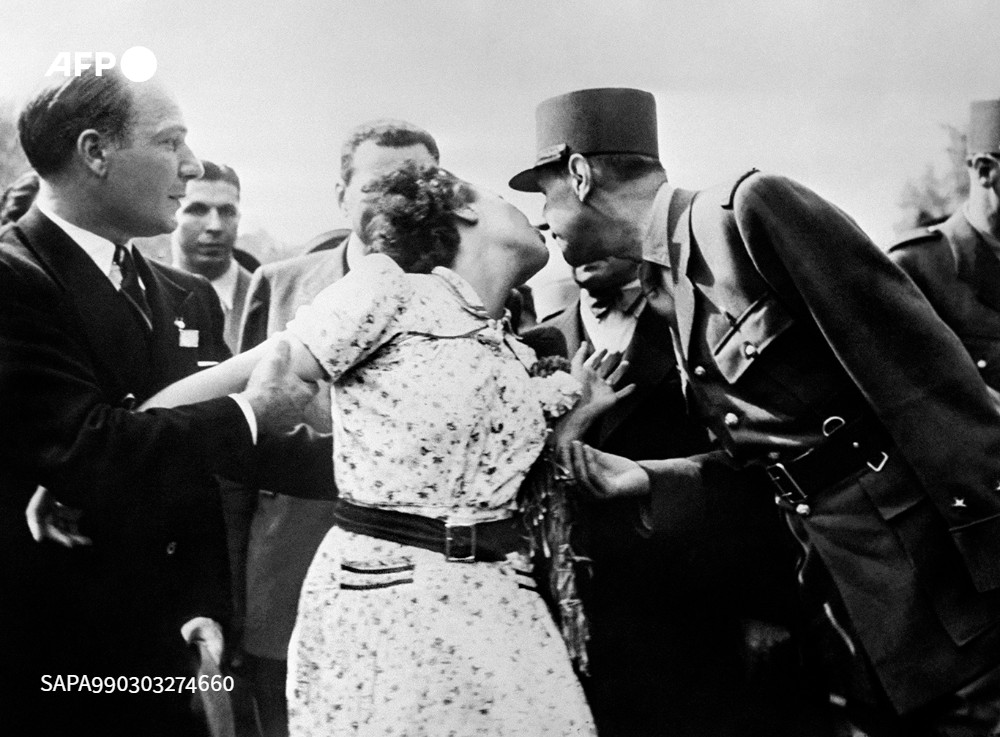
(909, 365)
(353, 317)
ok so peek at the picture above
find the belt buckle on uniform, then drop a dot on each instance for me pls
(880, 464)
(453, 539)
(788, 489)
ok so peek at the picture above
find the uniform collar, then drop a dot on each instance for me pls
(989, 238)
(656, 243)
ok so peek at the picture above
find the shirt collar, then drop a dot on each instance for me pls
(655, 245)
(355, 251)
(100, 250)
(225, 285)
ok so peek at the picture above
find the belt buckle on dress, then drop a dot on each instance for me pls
(453, 539)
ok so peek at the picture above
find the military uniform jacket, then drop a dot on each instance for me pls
(784, 314)
(74, 361)
(960, 274)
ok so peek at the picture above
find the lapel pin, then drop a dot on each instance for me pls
(185, 338)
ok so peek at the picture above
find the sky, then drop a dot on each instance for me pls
(847, 97)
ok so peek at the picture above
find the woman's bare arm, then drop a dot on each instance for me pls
(230, 377)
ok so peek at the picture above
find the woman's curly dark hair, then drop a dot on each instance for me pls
(410, 216)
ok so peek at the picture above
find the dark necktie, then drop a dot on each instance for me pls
(130, 286)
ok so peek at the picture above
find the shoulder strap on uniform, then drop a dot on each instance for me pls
(736, 185)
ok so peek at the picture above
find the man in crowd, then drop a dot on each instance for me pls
(957, 264)
(88, 330)
(203, 243)
(286, 530)
(205, 237)
(18, 196)
(813, 359)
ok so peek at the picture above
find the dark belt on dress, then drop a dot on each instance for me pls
(849, 448)
(485, 541)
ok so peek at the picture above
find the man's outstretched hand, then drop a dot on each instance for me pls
(276, 392)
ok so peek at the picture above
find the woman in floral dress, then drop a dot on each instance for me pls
(417, 616)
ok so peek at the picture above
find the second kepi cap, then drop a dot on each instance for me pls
(984, 127)
(607, 120)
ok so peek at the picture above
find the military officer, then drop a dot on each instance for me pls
(816, 361)
(957, 264)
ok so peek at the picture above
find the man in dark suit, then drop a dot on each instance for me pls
(89, 329)
(286, 530)
(957, 264)
(814, 359)
(205, 238)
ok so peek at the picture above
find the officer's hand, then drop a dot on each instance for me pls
(276, 392)
(607, 476)
(50, 520)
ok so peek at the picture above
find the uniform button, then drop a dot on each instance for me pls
(981, 363)
(731, 419)
(128, 401)
(773, 455)
(749, 350)
(699, 370)
(171, 547)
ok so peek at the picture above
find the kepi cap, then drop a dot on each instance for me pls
(984, 127)
(608, 120)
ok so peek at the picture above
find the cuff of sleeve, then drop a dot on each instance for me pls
(247, 410)
(676, 504)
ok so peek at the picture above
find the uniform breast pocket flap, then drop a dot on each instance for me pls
(749, 336)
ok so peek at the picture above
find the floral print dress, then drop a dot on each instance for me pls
(434, 414)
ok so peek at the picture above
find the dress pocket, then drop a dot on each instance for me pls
(381, 573)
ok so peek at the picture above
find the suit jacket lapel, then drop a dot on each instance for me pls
(651, 359)
(571, 326)
(235, 320)
(168, 302)
(118, 343)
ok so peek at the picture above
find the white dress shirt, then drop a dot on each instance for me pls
(614, 330)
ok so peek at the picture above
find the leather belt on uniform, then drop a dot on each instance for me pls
(486, 541)
(849, 448)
